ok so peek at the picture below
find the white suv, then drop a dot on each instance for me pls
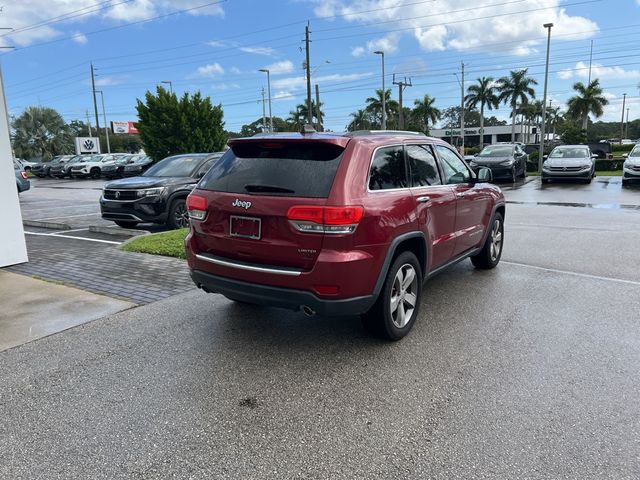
(92, 167)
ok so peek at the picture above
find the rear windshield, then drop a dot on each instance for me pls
(177, 166)
(276, 168)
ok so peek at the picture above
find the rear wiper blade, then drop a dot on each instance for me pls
(267, 188)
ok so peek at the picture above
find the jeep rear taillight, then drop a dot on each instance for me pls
(24, 175)
(197, 207)
(318, 219)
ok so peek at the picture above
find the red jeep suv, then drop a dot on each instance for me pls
(340, 224)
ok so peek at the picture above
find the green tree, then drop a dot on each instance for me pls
(298, 117)
(40, 132)
(483, 93)
(589, 100)
(374, 107)
(425, 111)
(170, 126)
(360, 120)
(279, 125)
(516, 89)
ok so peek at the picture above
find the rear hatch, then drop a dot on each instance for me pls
(250, 191)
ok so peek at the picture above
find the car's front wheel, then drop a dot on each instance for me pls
(491, 251)
(397, 307)
(178, 214)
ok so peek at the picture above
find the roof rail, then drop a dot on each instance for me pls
(357, 133)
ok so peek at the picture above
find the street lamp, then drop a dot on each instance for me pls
(104, 116)
(624, 100)
(384, 93)
(544, 99)
(170, 85)
(266, 70)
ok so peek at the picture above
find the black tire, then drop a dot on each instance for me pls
(491, 251)
(125, 223)
(545, 180)
(390, 324)
(178, 214)
(587, 181)
(95, 173)
(625, 183)
(514, 177)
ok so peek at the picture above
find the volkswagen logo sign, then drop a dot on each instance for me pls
(117, 195)
(88, 144)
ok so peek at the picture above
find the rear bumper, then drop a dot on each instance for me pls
(280, 297)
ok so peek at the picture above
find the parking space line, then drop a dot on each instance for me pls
(575, 274)
(72, 237)
(67, 216)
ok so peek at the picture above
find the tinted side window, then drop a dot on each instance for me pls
(388, 169)
(423, 167)
(454, 169)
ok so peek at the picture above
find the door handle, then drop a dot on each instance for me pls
(423, 199)
(460, 194)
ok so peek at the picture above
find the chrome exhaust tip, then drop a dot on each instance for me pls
(308, 311)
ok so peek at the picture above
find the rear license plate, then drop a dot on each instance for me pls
(245, 227)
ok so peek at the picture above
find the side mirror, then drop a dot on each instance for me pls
(545, 157)
(485, 175)
(476, 154)
(625, 155)
(201, 174)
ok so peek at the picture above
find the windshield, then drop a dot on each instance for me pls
(178, 166)
(497, 151)
(569, 152)
(635, 152)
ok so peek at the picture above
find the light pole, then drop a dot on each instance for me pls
(624, 100)
(384, 93)
(626, 126)
(170, 85)
(266, 70)
(544, 99)
(104, 117)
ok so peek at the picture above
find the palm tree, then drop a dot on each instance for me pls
(361, 121)
(483, 93)
(426, 111)
(374, 106)
(298, 118)
(553, 119)
(589, 100)
(514, 89)
(41, 132)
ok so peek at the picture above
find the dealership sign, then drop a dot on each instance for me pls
(86, 145)
(124, 127)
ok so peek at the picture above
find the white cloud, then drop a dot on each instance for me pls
(216, 43)
(464, 24)
(235, 70)
(107, 81)
(224, 86)
(298, 83)
(279, 68)
(266, 51)
(581, 70)
(283, 95)
(357, 51)
(388, 44)
(208, 71)
(23, 15)
(80, 38)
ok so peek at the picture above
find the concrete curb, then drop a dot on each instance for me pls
(116, 231)
(129, 240)
(49, 225)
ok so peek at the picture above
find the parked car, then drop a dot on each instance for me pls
(569, 162)
(26, 165)
(340, 224)
(61, 169)
(43, 169)
(92, 166)
(603, 150)
(631, 166)
(505, 160)
(157, 196)
(137, 165)
(22, 179)
(116, 168)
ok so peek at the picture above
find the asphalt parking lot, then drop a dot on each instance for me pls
(525, 371)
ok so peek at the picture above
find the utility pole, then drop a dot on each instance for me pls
(264, 115)
(266, 70)
(624, 99)
(95, 102)
(318, 113)
(462, 109)
(626, 127)
(544, 99)
(89, 123)
(308, 68)
(104, 117)
(384, 93)
(402, 84)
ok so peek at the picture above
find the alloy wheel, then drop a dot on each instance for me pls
(496, 240)
(181, 216)
(404, 295)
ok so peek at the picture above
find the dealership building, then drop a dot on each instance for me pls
(490, 135)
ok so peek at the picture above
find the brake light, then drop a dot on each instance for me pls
(197, 207)
(318, 219)
(24, 175)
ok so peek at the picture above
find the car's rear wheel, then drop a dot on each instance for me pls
(125, 224)
(95, 172)
(491, 251)
(397, 306)
(178, 214)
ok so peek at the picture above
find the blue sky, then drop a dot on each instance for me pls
(217, 48)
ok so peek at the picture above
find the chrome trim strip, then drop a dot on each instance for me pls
(251, 268)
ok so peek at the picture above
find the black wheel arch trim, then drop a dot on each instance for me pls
(391, 251)
(493, 212)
